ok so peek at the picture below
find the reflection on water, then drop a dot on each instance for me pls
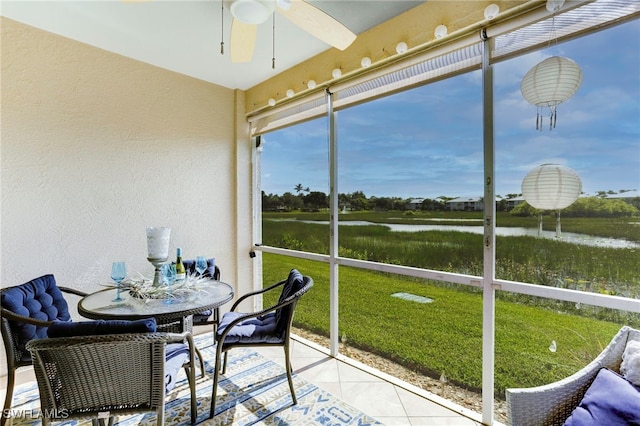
(568, 237)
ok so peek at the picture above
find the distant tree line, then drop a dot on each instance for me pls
(307, 200)
(588, 207)
(357, 201)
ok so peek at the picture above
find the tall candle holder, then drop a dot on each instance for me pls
(158, 250)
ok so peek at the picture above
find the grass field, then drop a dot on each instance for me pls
(445, 337)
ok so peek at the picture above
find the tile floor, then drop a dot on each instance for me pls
(389, 400)
(381, 396)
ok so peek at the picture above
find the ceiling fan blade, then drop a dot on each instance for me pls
(318, 24)
(243, 41)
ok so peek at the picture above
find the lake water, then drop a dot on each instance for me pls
(568, 237)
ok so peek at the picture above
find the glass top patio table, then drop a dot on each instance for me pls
(171, 314)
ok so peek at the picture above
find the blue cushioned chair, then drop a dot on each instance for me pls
(27, 310)
(269, 327)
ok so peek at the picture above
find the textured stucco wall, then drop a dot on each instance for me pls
(96, 146)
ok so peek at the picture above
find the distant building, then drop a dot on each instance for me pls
(513, 202)
(469, 204)
(476, 204)
(624, 195)
(414, 204)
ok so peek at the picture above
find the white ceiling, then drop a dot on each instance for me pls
(184, 35)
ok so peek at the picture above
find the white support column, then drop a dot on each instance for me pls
(333, 226)
(256, 199)
(489, 252)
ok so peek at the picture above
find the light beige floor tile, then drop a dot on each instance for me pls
(417, 406)
(442, 421)
(332, 387)
(394, 421)
(353, 374)
(300, 349)
(317, 371)
(374, 398)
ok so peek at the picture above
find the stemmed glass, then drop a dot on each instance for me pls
(169, 277)
(201, 264)
(118, 273)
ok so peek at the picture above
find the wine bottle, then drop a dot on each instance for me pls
(181, 273)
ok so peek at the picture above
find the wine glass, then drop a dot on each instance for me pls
(118, 273)
(201, 264)
(169, 277)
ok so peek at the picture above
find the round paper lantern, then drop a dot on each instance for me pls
(551, 187)
(550, 83)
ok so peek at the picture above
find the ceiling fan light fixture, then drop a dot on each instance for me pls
(284, 4)
(252, 11)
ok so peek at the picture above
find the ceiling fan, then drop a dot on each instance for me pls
(248, 14)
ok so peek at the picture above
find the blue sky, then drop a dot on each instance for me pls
(427, 142)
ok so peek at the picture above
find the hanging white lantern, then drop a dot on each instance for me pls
(550, 83)
(551, 187)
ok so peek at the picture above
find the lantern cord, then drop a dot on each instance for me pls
(553, 40)
(273, 43)
(553, 114)
(222, 28)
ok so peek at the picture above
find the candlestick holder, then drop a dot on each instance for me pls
(158, 248)
(157, 263)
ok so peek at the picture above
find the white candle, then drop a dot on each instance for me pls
(158, 242)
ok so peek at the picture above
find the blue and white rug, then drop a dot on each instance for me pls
(253, 392)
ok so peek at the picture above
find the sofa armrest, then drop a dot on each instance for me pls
(552, 404)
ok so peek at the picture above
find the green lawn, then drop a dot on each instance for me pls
(444, 336)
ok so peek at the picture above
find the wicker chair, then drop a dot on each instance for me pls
(269, 327)
(26, 311)
(107, 375)
(552, 404)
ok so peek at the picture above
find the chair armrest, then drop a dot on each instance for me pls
(73, 291)
(553, 403)
(244, 317)
(12, 316)
(256, 292)
(184, 337)
(549, 404)
(308, 283)
(187, 338)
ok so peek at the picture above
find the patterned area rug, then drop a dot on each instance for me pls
(253, 392)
